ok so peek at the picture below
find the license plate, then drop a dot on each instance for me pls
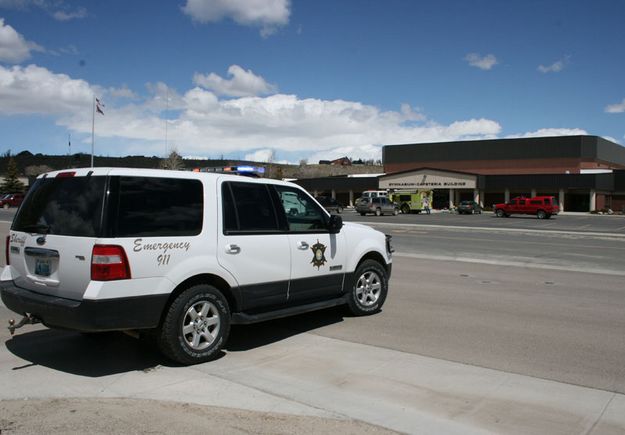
(42, 267)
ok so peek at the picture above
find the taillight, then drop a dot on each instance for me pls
(6, 251)
(109, 263)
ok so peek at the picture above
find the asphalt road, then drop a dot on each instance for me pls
(548, 305)
(565, 251)
(576, 222)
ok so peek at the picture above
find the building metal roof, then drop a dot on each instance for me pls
(591, 148)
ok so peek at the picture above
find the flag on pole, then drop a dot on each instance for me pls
(99, 106)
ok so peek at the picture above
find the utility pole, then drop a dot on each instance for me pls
(92, 131)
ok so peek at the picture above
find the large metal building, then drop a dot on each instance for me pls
(584, 173)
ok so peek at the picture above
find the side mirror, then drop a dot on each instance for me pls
(335, 224)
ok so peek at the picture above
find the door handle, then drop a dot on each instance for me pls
(302, 245)
(233, 249)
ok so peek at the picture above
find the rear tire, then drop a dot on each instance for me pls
(378, 212)
(395, 212)
(196, 325)
(362, 214)
(541, 214)
(369, 289)
(405, 209)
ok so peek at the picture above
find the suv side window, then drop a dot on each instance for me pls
(302, 213)
(248, 208)
(153, 206)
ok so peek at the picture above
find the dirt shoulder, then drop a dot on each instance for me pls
(134, 416)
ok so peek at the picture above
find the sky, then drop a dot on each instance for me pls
(287, 80)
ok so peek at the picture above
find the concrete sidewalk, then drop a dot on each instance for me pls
(310, 375)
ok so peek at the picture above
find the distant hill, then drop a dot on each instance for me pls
(26, 159)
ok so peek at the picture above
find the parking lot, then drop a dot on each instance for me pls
(577, 222)
(492, 325)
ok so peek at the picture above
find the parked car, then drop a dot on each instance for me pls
(469, 207)
(373, 193)
(180, 256)
(330, 204)
(378, 205)
(542, 206)
(11, 200)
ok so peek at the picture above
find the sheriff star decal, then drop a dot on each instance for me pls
(319, 258)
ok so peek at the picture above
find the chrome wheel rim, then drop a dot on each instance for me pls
(200, 325)
(368, 288)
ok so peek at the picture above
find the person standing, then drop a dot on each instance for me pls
(426, 204)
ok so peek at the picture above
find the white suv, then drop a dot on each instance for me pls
(180, 256)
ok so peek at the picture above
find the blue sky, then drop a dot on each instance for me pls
(291, 80)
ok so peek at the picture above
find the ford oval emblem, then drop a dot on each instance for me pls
(41, 240)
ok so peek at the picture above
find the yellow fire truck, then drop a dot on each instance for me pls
(411, 201)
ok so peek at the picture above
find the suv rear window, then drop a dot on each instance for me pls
(153, 206)
(65, 206)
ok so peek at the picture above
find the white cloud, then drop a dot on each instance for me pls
(266, 14)
(62, 15)
(264, 155)
(611, 139)
(58, 9)
(15, 4)
(200, 123)
(364, 152)
(123, 92)
(13, 47)
(35, 90)
(554, 67)
(243, 83)
(544, 132)
(616, 108)
(481, 62)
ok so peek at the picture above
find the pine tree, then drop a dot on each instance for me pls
(11, 184)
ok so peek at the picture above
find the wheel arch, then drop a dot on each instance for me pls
(376, 256)
(233, 298)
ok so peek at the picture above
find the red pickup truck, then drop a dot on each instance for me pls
(542, 206)
(11, 200)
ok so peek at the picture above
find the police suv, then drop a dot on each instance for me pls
(181, 256)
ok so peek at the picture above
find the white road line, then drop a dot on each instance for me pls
(513, 230)
(510, 263)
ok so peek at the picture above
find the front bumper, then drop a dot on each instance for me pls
(87, 315)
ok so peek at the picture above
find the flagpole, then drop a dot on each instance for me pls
(92, 131)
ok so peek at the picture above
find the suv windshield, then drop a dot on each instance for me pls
(67, 206)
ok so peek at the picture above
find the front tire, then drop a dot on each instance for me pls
(500, 213)
(196, 325)
(378, 212)
(369, 289)
(395, 212)
(405, 209)
(541, 214)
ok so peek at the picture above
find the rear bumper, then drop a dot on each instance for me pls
(87, 315)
